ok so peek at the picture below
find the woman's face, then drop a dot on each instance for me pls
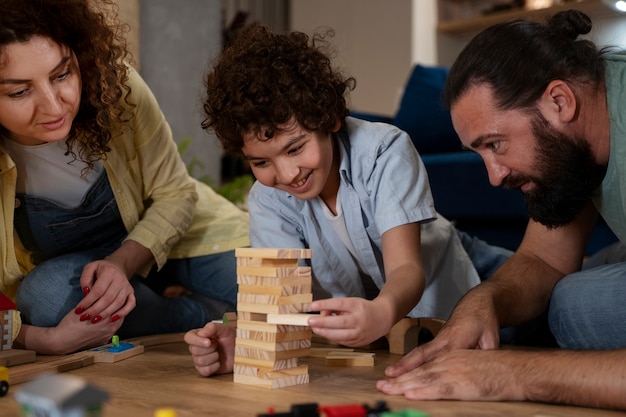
(40, 90)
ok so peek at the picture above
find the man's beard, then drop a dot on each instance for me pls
(567, 176)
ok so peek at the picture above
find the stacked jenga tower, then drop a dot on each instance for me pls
(271, 282)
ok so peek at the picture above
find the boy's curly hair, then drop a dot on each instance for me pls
(90, 29)
(262, 80)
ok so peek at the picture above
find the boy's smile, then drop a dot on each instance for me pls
(294, 160)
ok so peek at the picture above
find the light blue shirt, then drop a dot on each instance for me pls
(383, 185)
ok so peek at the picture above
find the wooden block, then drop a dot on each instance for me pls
(274, 299)
(271, 309)
(276, 290)
(266, 373)
(266, 271)
(317, 352)
(403, 336)
(26, 372)
(263, 326)
(264, 355)
(104, 355)
(251, 317)
(294, 319)
(266, 364)
(273, 337)
(242, 261)
(432, 324)
(354, 359)
(271, 383)
(12, 357)
(252, 280)
(291, 345)
(273, 253)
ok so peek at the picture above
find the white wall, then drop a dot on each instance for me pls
(379, 41)
(373, 43)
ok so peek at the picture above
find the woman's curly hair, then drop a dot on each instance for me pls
(90, 29)
(262, 80)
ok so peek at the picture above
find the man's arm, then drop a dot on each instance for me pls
(583, 378)
(519, 291)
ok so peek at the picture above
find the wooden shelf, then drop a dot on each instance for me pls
(475, 24)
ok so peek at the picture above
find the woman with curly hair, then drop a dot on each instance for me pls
(98, 210)
(354, 192)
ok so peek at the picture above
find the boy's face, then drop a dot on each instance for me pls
(294, 160)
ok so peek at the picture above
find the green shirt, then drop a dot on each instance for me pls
(610, 198)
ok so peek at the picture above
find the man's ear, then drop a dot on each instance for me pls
(559, 102)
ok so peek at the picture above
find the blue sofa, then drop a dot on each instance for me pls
(458, 177)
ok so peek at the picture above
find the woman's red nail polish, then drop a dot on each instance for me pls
(85, 317)
(85, 290)
(79, 310)
(115, 317)
(96, 319)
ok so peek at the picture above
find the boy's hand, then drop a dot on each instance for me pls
(212, 348)
(350, 321)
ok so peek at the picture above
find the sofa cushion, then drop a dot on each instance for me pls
(422, 113)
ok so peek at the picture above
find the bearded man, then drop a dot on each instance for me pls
(544, 109)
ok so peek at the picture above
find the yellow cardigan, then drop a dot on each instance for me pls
(162, 207)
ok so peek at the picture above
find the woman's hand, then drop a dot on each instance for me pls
(105, 283)
(108, 293)
(69, 336)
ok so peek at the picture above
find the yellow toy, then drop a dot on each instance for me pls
(4, 381)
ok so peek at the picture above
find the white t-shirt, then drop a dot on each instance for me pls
(45, 171)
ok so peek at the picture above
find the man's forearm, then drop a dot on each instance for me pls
(519, 291)
(584, 378)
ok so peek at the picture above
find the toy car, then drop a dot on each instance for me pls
(4, 381)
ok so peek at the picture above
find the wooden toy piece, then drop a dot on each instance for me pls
(295, 319)
(350, 359)
(111, 354)
(7, 308)
(403, 336)
(14, 357)
(271, 282)
(273, 379)
(28, 372)
(317, 352)
(230, 319)
(273, 253)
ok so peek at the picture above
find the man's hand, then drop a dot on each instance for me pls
(460, 332)
(484, 375)
(212, 348)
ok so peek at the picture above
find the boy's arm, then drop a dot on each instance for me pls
(356, 321)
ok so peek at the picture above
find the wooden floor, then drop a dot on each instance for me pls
(163, 376)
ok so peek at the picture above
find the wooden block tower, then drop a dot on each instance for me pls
(6, 322)
(271, 282)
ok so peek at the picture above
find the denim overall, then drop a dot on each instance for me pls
(63, 241)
